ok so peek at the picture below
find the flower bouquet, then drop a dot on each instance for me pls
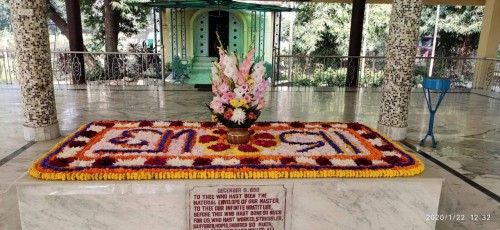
(238, 90)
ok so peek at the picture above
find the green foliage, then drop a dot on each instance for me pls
(376, 29)
(130, 20)
(458, 28)
(4, 15)
(328, 76)
(150, 64)
(322, 29)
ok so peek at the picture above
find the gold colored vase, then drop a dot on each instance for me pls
(238, 135)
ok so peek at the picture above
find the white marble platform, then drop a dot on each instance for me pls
(349, 203)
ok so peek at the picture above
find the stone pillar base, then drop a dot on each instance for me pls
(41, 133)
(395, 133)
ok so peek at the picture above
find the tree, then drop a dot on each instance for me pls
(109, 18)
(458, 30)
(376, 29)
(322, 29)
(4, 15)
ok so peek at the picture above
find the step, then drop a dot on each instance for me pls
(203, 64)
(205, 59)
(204, 68)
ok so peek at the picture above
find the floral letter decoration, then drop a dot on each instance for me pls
(238, 90)
(145, 150)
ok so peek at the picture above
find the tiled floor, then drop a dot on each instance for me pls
(467, 129)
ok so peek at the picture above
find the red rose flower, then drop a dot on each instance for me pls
(363, 161)
(369, 135)
(323, 161)
(287, 160)
(265, 143)
(220, 131)
(228, 114)
(145, 123)
(105, 124)
(354, 126)
(77, 143)
(219, 147)
(61, 162)
(385, 147)
(263, 124)
(391, 159)
(176, 123)
(325, 125)
(155, 161)
(208, 124)
(251, 116)
(264, 136)
(297, 124)
(247, 148)
(200, 161)
(88, 133)
(103, 162)
(250, 161)
(207, 138)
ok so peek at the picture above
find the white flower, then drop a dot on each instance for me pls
(79, 163)
(238, 116)
(222, 161)
(239, 92)
(215, 72)
(134, 141)
(160, 123)
(130, 125)
(259, 70)
(191, 124)
(69, 152)
(376, 141)
(96, 128)
(231, 72)
(180, 162)
(306, 160)
(361, 131)
(270, 162)
(134, 162)
(82, 138)
(346, 162)
(390, 153)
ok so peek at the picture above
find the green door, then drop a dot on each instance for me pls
(236, 34)
(201, 36)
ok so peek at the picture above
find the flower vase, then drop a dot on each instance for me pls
(238, 135)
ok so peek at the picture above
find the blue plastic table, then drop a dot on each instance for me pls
(436, 84)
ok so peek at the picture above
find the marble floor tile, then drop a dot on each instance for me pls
(467, 129)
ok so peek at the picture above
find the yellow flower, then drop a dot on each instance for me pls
(243, 103)
(234, 103)
(214, 118)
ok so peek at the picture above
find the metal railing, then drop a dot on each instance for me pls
(114, 68)
(297, 70)
(101, 68)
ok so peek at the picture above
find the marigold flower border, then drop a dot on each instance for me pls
(37, 171)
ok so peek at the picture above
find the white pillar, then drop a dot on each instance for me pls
(488, 45)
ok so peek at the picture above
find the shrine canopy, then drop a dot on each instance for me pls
(213, 4)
